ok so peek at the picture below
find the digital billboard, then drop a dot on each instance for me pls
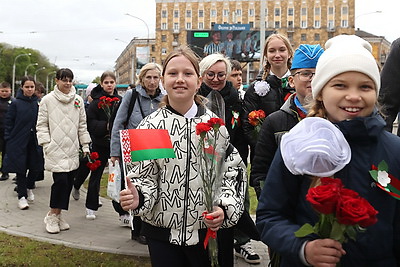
(235, 41)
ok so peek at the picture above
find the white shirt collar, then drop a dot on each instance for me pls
(191, 113)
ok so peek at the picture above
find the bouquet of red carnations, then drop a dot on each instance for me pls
(93, 162)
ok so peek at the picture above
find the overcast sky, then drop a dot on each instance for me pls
(80, 34)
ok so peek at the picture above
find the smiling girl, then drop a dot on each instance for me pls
(345, 90)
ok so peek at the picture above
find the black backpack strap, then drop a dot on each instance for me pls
(132, 104)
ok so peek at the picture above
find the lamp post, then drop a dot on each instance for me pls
(13, 73)
(367, 13)
(27, 67)
(39, 69)
(148, 35)
(47, 81)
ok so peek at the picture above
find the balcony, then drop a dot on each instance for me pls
(290, 29)
(330, 29)
(175, 44)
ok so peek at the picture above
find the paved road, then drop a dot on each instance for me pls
(103, 234)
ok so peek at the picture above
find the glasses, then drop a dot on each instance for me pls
(305, 75)
(220, 76)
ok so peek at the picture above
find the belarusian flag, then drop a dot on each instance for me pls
(145, 144)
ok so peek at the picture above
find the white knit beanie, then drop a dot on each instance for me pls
(345, 53)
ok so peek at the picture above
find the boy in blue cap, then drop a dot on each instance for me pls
(292, 111)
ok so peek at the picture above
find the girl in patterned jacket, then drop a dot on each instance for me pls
(167, 193)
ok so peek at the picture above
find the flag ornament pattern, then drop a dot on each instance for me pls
(146, 144)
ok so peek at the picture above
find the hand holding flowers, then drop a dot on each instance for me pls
(106, 103)
(256, 118)
(93, 162)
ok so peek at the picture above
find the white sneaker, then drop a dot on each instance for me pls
(125, 220)
(52, 223)
(23, 203)
(31, 196)
(247, 253)
(100, 203)
(75, 193)
(62, 223)
(90, 214)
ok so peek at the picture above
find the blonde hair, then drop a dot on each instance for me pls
(210, 60)
(285, 40)
(188, 53)
(145, 69)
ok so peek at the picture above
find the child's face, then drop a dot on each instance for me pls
(301, 81)
(5, 92)
(28, 88)
(348, 95)
(235, 77)
(277, 53)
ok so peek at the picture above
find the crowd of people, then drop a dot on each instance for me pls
(336, 89)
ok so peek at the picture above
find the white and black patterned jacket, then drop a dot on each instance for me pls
(172, 199)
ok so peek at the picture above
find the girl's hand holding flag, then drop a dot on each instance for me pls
(129, 197)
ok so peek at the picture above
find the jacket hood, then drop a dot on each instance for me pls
(98, 92)
(20, 95)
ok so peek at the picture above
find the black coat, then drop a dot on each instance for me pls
(22, 150)
(233, 104)
(97, 120)
(271, 102)
(274, 126)
(389, 95)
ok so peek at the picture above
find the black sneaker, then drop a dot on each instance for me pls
(4, 177)
(247, 253)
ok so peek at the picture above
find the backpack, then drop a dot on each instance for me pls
(130, 109)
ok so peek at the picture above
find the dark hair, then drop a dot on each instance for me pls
(108, 74)
(27, 78)
(40, 87)
(235, 65)
(64, 73)
(5, 85)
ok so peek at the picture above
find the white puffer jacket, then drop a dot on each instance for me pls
(61, 127)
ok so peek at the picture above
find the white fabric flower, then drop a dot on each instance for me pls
(383, 178)
(262, 88)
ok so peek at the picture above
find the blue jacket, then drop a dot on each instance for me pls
(282, 207)
(22, 150)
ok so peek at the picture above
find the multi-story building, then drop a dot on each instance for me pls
(195, 23)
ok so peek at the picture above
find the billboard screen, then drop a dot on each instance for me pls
(235, 41)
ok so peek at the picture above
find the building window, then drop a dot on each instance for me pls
(163, 26)
(331, 25)
(226, 12)
(317, 37)
(163, 51)
(303, 37)
(153, 48)
(201, 13)
(345, 10)
(251, 12)
(277, 12)
(164, 13)
(188, 13)
(251, 24)
(303, 24)
(317, 24)
(345, 23)
(213, 13)
(176, 13)
(290, 36)
(212, 24)
(330, 10)
(277, 24)
(317, 11)
(201, 25)
(290, 11)
(290, 24)
(238, 12)
(176, 26)
(304, 11)
(188, 26)
(163, 38)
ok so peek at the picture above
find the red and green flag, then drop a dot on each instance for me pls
(146, 144)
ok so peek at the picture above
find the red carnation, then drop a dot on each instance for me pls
(202, 128)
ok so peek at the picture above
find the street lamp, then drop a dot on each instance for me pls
(148, 35)
(27, 67)
(47, 81)
(39, 69)
(368, 13)
(13, 73)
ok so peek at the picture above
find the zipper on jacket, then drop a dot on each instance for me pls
(185, 199)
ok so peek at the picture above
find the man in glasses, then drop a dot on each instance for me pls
(292, 111)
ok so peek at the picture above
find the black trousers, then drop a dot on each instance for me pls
(25, 182)
(61, 189)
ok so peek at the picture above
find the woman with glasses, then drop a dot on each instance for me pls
(269, 92)
(144, 98)
(61, 129)
(99, 130)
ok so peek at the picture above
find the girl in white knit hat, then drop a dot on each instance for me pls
(345, 90)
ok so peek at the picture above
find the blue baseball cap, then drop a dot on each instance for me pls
(306, 56)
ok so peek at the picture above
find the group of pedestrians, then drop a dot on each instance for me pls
(339, 85)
